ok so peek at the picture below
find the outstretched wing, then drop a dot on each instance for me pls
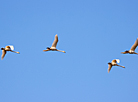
(120, 66)
(134, 45)
(55, 41)
(3, 54)
(109, 67)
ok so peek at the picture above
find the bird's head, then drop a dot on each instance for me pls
(2, 48)
(109, 63)
(48, 47)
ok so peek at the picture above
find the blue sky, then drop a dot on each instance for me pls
(92, 32)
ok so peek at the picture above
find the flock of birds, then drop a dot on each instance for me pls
(53, 48)
(131, 51)
(11, 48)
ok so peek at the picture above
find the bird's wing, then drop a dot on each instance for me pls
(120, 66)
(3, 54)
(55, 41)
(134, 45)
(109, 67)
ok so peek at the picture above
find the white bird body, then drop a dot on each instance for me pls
(132, 50)
(53, 47)
(114, 63)
(118, 61)
(7, 48)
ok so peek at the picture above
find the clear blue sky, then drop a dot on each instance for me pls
(92, 32)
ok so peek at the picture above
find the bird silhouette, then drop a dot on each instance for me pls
(114, 63)
(53, 47)
(132, 50)
(7, 48)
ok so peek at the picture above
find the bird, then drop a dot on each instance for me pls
(7, 48)
(132, 50)
(53, 47)
(114, 63)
